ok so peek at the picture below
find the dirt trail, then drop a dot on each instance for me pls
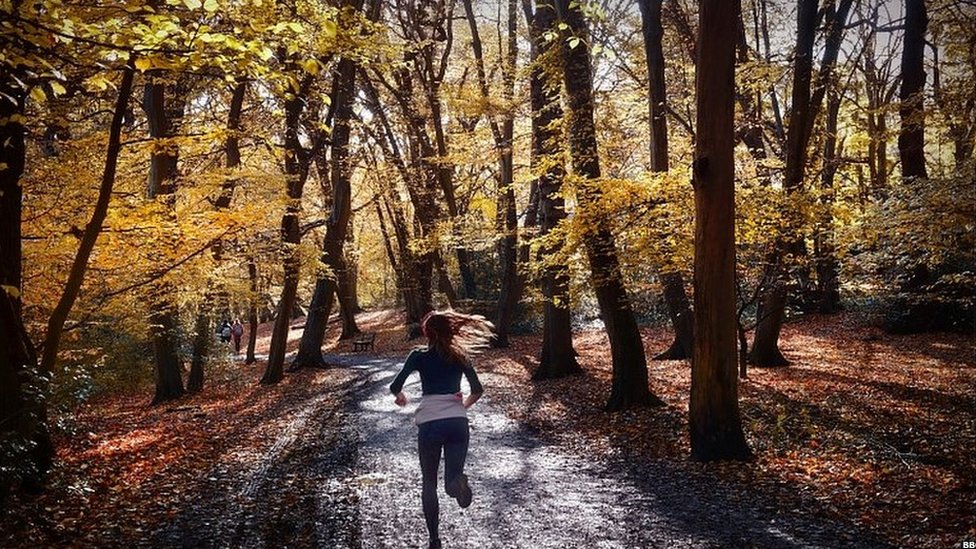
(533, 495)
(349, 479)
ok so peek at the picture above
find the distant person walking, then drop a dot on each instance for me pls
(441, 417)
(224, 331)
(237, 331)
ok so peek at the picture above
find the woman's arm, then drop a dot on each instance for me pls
(408, 366)
(476, 388)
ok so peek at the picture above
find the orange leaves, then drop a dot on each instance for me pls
(866, 425)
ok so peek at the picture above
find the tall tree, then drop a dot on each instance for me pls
(879, 89)
(79, 266)
(415, 266)
(828, 282)
(629, 383)
(22, 407)
(337, 226)
(806, 103)
(252, 310)
(675, 296)
(911, 139)
(431, 28)
(502, 133)
(716, 429)
(297, 160)
(164, 106)
(558, 358)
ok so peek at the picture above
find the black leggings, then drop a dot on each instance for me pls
(451, 434)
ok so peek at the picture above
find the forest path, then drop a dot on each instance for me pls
(529, 494)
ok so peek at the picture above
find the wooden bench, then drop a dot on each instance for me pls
(363, 342)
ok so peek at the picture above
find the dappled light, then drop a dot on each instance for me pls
(493, 274)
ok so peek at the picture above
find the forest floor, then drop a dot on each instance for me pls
(867, 439)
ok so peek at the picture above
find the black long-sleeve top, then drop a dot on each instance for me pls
(437, 375)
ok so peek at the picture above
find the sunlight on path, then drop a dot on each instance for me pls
(527, 494)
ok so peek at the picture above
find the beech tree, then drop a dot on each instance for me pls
(911, 139)
(675, 296)
(716, 430)
(807, 99)
(22, 407)
(629, 384)
(558, 357)
(310, 347)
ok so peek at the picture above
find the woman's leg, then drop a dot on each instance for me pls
(455, 454)
(429, 444)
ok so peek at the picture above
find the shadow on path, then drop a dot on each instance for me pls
(532, 495)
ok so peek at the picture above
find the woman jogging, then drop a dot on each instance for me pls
(441, 416)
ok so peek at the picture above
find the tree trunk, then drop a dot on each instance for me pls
(507, 220)
(202, 338)
(675, 296)
(629, 383)
(796, 145)
(716, 430)
(296, 170)
(252, 311)
(828, 285)
(169, 374)
(911, 139)
(558, 357)
(769, 317)
(877, 123)
(421, 177)
(349, 282)
(310, 347)
(657, 91)
(348, 301)
(164, 105)
(23, 413)
(682, 318)
(765, 347)
(79, 266)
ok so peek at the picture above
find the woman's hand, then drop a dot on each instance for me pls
(401, 399)
(472, 398)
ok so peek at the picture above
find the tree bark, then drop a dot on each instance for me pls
(657, 91)
(629, 382)
(310, 347)
(296, 170)
(769, 322)
(675, 297)
(716, 430)
(164, 105)
(348, 300)
(252, 311)
(23, 413)
(202, 337)
(558, 357)
(512, 284)
(911, 139)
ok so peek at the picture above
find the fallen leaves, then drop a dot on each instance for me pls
(871, 430)
(877, 430)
